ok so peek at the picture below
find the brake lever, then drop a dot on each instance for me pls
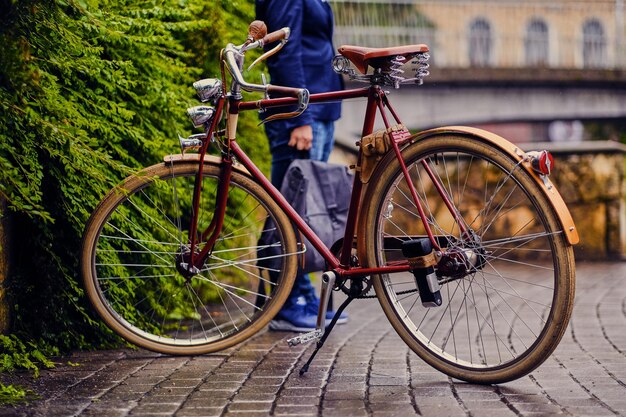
(303, 103)
(268, 53)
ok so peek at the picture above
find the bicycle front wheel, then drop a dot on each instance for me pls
(507, 283)
(136, 242)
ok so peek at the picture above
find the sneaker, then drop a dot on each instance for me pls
(295, 318)
(313, 305)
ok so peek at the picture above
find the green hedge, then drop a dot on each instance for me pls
(90, 91)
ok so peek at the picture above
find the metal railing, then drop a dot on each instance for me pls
(571, 34)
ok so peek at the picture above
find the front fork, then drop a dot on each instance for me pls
(211, 233)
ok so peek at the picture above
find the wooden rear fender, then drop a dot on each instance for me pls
(550, 191)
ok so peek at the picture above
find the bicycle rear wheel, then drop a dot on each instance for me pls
(508, 288)
(137, 237)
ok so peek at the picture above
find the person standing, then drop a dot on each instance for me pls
(304, 61)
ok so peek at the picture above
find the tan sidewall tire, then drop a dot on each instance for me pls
(565, 284)
(111, 201)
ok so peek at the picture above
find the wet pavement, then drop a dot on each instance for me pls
(363, 370)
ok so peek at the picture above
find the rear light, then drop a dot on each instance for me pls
(542, 162)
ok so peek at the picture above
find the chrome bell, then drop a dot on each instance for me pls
(193, 142)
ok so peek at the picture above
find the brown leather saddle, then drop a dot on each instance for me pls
(363, 57)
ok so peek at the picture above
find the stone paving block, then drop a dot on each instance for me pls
(210, 384)
(339, 378)
(205, 401)
(337, 386)
(163, 399)
(179, 383)
(589, 411)
(301, 391)
(343, 404)
(219, 377)
(200, 412)
(538, 408)
(255, 380)
(298, 400)
(484, 404)
(388, 380)
(142, 380)
(250, 406)
(110, 412)
(267, 390)
(254, 397)
(347, 395)
(295, 410)
(156, 408)
(441, 411)
(246, 413)
(170, 391)
(525, 398)
(203, 393)
(479, 395)
(302, 382)
(345, 413)
(392, 413)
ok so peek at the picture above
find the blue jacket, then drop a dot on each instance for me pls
(305, 61)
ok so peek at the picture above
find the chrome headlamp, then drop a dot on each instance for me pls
(208, 89)
(200, 115)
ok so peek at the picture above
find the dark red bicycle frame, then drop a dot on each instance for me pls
(376, 102)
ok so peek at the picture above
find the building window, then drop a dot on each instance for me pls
(594, 44)
(536, 43)
(480, 43)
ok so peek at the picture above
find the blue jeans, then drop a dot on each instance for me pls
(323, 140)
(282, 156)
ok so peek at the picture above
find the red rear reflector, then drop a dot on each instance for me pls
(541, 161)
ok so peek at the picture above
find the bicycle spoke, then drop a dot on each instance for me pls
(143, 238)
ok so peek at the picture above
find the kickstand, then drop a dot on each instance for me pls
(327, 331)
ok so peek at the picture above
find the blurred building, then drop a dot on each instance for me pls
(531, 70)
(492, 33)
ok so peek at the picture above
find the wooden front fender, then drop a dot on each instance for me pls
(194, 157)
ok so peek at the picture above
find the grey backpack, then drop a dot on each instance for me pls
(320, 193)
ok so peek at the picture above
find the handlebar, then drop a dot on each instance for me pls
(233, 57)
(277, 35)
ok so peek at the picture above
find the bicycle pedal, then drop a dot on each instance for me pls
(305, 337)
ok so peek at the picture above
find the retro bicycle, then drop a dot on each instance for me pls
(466, 241)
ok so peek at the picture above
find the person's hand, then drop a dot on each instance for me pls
(301, 138)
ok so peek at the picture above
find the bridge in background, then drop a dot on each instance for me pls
(496, 61)
(488, 96)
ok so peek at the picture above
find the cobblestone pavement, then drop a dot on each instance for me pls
(363, 370)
